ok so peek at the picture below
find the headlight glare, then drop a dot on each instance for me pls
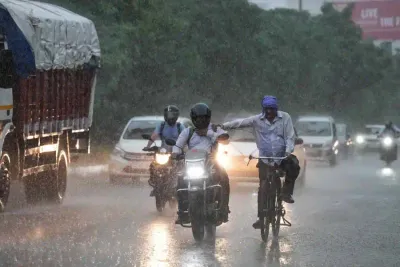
(162, 159)
(360, 139)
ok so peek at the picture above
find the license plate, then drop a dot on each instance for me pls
(314, 153)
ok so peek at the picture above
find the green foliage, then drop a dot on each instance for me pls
(229, 53)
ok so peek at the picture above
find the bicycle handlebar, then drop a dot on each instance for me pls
(270, 158)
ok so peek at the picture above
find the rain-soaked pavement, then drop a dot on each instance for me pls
(346, 216)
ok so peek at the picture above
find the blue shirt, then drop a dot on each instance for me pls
(272, 139)
(169, 132)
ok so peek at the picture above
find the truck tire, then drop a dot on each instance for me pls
(57, 180)
(5, 168)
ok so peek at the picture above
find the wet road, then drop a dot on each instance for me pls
(346, 216)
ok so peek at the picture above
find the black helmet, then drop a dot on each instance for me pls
(171, 114)
(200, 115)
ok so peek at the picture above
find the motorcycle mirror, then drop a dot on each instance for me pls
(170, 142)
(298, 141)
(146, 136)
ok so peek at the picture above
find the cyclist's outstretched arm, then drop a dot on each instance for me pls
(240, 123)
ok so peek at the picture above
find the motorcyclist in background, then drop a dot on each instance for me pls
(203, 136)
(390, 129)
(275, 136)
(170, 128)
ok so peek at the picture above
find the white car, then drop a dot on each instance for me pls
(128, 160)
(234, 156)
(320, 138)
(368, 139)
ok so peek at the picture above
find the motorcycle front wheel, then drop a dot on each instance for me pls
(196, 211)
(160, 202)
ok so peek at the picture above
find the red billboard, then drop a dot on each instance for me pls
(379, 20)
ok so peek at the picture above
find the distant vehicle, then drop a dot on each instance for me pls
(128, 160)
(49, 58)
(320, 138)
(368, 138)
(344, 138)
(234, 156)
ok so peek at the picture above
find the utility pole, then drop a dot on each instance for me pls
(300, 5)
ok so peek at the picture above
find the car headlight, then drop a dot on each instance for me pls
(118, 152)
(360, 139)
(335, 145)
(195, 170)
(387, 141)
(162, 158)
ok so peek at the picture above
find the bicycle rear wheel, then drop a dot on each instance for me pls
(276, 220)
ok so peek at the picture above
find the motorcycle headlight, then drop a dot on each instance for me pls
(360, 139)
(195, 170)
(118, 152)
(162, 159)
(222, 159)
(387, 141)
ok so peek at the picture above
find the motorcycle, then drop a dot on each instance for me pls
(162, 171)
(388, 149)
(204, 194)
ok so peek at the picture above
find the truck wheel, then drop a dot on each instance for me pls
(5, 167)
(57, 180)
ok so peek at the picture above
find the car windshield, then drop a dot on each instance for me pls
(241, 135)
(373, 130)
(313, 128)
(137, 128)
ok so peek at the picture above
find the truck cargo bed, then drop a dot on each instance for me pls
(54, 100)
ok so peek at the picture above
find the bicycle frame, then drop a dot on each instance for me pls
(270, 190)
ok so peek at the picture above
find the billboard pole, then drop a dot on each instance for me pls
(300, 5)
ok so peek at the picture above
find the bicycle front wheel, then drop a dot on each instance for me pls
(265, 217)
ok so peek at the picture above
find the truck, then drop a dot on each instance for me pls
(49, 60)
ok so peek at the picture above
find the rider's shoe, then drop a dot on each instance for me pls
(287, 198)
(182, 219)
(257, 224)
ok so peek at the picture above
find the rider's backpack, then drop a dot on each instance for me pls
(178, 124)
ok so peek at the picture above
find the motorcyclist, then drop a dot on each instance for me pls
(170, 128)
(393, 131)
(390, 129)
(203, 136)
(275, 137)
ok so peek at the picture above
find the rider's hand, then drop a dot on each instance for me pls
(214, 127)
(287, 154)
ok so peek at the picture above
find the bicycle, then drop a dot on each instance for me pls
(273, 210)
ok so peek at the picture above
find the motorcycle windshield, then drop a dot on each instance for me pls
(196, 155)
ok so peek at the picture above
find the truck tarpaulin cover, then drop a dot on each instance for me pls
(44, 36)
(378, 19)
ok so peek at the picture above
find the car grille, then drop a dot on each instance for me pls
(313, 145)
